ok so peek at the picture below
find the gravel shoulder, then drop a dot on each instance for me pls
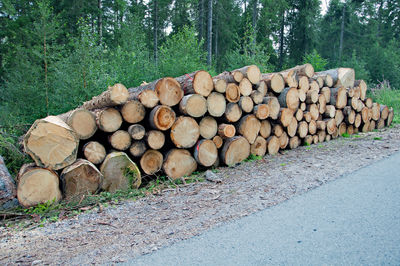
(133, 228)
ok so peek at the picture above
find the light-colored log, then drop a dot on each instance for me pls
(302, 129)
(151, 162)
(162, 117)
(246, 103)
(218, 141)
(136, 131)
(273, 145)
(220, 85)
(198, 82)
(261, 111)
(233, 112)
(232, 93)
(120, 140)
(235, 150)
(339, 97)
(226, 131)
(294, 142)
(108, 119)
(363, 88)
(273, 106)
(341, 77)
(245, 87)
(133, 111)
(155, 139)
(292, 127)
(259, 147)
(265, 129)
(312, 127)
(205, 152)
(194, 105)
(138, 148)
(283, 141)
(114, 95)
(82, 121)
(216, 104)
(289, 98)
(94, 152)
(274, 81)
(185, 132)
(285, 116)
(208, 127)
(249, 127)
(147, 97)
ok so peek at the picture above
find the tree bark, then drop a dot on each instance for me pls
(235, 150)
(198, 82)
(115, 95)
(205, 152)
(8, 190)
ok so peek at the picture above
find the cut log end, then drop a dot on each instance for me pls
(120, 140)
(82, 121)
(232, 93)
(109, 119)
(235, 150)
(185, 132)
(216, 104)
(94, 152)
(194, 105)
(205, 152)
(169, 91)
(208, 127)
(179, 163)
(151, 162)
(162, 117)
(133, 111)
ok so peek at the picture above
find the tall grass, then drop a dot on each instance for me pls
(386, 95)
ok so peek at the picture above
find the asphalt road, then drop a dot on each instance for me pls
(353, 220)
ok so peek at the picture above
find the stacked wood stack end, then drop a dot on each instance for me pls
(195, 121)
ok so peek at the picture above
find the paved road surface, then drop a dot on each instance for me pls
(353, 220)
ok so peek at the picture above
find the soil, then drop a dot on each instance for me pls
(133, 228)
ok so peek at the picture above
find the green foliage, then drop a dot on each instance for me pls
(390, 97)
(359, 66)
(377, 138)
(315, 60)
(253, 158)
(346, 135)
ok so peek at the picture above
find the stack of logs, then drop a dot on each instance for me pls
(178, 125)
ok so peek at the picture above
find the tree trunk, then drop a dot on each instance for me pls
(259, 147)
(108, 119)
(216, 104)
(37, 185)
(80, 178)
(136, 131)
(209, 33)
(147, 97)
(94, 152)
(120, 140)
(249, 127)
(162, 117)
(155, 31)
(138, 148)
(8, 190)
(208, 127)
(342, 77)
(301, 70)
(246, 103)
(289, 98)
(233, 112)
(155, 139)
(51, 143)
(235, 150)
(193, 105)
(198, 82)
(82, 121)
(151, 162)
(252, 73)
(119, 173)
(115, 95)
(328, 81)
(230, 77)
(185, 132)
(133, 111)
(179, 163)
(205, 152)
(274, 81)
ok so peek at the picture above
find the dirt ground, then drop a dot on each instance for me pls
(139, 227)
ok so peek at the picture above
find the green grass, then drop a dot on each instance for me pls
(253, 158)
(377, 138)
(389, 97)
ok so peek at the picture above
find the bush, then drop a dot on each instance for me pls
(359, 65)
(315, 60)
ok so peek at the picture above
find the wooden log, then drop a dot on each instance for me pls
(376, 111)
(285, 116)
(321, 104)
(246, 102)
(312, 127)
(364, 114)
(179, 163)
(307, 116)
(138, 148)
(292, 127)
(80, 178)
(384, 111)
(368, 102)
(365, 126)
(390, 117)
(277, 130)
(108, 119)
(328, 81)
(147, 97)
(218, 141)
(94, 152)
(274, 81)
(205, 152)
(230, 77)
(51, 143)
(313, 85)
(341, 77)
(114, 95)
(339, 97)
(168, 90)
(357, 120)
(120, 140)
(303, 106)
(349, 115)
(151, 162)
(315, 139)
(319, 80)
(289, 98)
(233, 112)
(256, 97)
(363, 88)
(220, 85)
(350, 129)
(136, 131)
(245, 87)
(330, 125)
(351, 92)
(380, 124)
(226, 131)
(312, 96)
(302, 129)
(252, 73)
(372, 125)
(302, 96)
(198, 82)
(321, 124)
(235, 150)
(321, 135)
(194, 105)
(82, 121)
(155, 139)
(308, 140)
(119, 173)
(290, 78)
(259, 147)
(353, 102)
(37, 185)
(314, 111)
(261, 111)
(133, 111)
(273, 106)
(299, 115)
(162, 117)
(8, 190)
(283, 141)
(326, 91)
(304, 84)
(294, 142)
(330, 111)
(265, 129)
(339, 117)
(273, 145)
(185, 132)
(232, 93)
(302, 70)
(342, 128)
(216, 104)
(208, 127)
(262, 87)
(249, 127)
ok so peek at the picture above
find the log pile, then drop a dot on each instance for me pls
(178, 125)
